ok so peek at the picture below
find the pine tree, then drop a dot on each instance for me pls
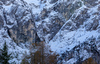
(1, 57)
(4, 57)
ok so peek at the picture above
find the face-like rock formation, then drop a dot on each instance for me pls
(23, 33)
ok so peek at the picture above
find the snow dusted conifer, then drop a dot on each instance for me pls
(4, 57)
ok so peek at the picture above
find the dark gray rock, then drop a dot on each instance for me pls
(1, 22)
(95, 24)
(23, 33)
(49, 28)
(53, 1)
(78, 52)
(67, 9)
(88, 26)
(81, 18)
(92, 26)
(90, 3)
(1, 18)
(44, 13)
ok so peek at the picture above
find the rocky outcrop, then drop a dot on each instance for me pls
(79, 35)
(90, 3)
(82, 52)
(48, 28)
(1, 18)
(70, 27)
(23, 33)
(1, 22)
(67, 8)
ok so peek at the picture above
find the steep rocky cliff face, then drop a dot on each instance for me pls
(70, 27)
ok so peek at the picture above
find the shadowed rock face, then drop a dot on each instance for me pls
(49, 28)
(67, 9)
(53, 1)
(90, 3)
(1, 18)
(1, 22)
(23, 33)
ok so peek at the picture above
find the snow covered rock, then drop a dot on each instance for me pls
(70, 27)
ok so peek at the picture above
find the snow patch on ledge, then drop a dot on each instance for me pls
(7, 8)
(36, 2)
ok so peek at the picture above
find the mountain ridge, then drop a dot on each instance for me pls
(64, 25)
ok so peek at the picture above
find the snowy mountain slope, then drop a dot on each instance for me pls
(82, 26)
(70, 27)
(78, 29)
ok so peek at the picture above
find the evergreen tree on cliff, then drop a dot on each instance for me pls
(4, 57)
